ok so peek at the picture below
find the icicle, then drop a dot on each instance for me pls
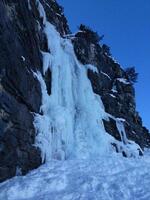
(29, 5)
(18, 171)
(128, 147)
(121, 129)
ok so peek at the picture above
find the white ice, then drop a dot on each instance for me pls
(71, 125)
(128, 146)
(91, 67)
(112, 95)
(123, 80)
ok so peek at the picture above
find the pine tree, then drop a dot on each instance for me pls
(131, 75)
(91, 35)
(106, 49)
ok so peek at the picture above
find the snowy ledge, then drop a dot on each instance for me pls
(123, 80)
(106, 75)
(92, 68)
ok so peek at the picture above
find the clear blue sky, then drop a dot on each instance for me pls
(126, 26)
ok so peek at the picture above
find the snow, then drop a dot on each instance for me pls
(58, 15)
(114, 59)
(69, 36)
(73, 35)
(109, 178)
(23, 58)
(112, 95)
(123, 80)
(105, 75)
(121, 119)
(92, 68)
(114, 89)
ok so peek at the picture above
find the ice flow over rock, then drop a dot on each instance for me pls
(72, 122)
(71, 125)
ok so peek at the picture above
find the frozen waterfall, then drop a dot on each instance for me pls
(71, 125)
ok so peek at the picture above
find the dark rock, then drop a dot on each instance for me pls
(48, 81)
(6, 172)
(100, 82)
(110, 127)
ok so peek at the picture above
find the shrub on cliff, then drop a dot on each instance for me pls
(91, 35)
(106, 49)
(131, 75)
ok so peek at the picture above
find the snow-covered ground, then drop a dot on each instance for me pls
(109, 178)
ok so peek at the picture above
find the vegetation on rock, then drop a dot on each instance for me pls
(131, 75)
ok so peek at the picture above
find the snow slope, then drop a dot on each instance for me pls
(109, 178)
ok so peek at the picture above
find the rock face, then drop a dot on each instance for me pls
(21, 44)
(20, 92)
